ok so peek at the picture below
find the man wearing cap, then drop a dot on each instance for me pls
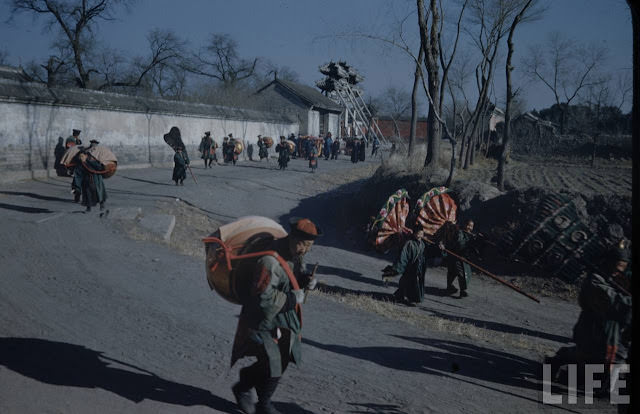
(208, 149)
(269, 326)
(602, 334)
(73, 139)
(460, 241)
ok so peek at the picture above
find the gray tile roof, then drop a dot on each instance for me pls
(16, 88)
(308, 94)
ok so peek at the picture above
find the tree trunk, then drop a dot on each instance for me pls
(432, 65)
(462, 141)
(452, 164)
(414, 102)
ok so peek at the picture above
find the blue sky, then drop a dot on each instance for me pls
(300, 34)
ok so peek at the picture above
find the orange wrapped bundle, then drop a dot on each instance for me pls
(99, 152)
(268, 141)
(292, 146)
(232, 251)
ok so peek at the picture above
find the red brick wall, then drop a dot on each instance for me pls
(388, 129)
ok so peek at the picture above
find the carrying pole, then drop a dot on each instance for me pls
(486, 272)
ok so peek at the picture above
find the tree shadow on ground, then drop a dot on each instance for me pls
(499, 327)
(25, 209)
(338, 290)
(368, 408)
(37, 196)
(290, 408)
(347, 274)
(60, 363)
(146, 181)
(443, 358)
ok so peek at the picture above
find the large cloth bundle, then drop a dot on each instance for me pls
(237, 146)
(268, 141)
(230, 277)
(99, 152)
(292, 146)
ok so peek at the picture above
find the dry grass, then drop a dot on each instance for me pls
(366, 303)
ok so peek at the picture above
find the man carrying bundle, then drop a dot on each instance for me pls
(208, 149)
(263, 151)
(283, 153)
(269, 326)
(602, 334)
(91, 181)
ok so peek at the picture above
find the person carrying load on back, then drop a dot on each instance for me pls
(208, 149)
(272, 327)
(283, 153)
(92, 184)
(602, 334)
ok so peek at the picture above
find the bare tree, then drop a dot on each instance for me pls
(430, 43)
(165, 55)
(219, 60)
(77, 20)
(565, 68)
(510, 93)
(4, 57)
(395, 103)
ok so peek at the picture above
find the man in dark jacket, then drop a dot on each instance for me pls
(180, 162)
(283, 153)
(602, 334)
(269, 327)
(412, 265)
(208, 149)
(457, 240)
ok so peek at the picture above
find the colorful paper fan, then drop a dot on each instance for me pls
(388, 228)
(435, 208)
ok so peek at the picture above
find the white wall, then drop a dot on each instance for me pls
(29, 134)
(334, 125)
(313, 125)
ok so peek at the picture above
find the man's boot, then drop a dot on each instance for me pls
(265, 391)
(242, 392)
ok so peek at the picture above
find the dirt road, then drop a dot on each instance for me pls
(92, 320)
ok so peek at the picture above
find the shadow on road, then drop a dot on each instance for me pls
(59, 363)
(145, 181)
(347, 274)
(25, 209)
(37, 196)
(376, 408)
(444, 358)
(499, 327)
(382, 296)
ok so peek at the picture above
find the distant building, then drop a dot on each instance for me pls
(315, 113)
(402, 127)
